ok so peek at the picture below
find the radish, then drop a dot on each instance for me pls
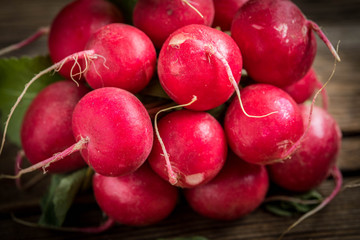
(201, 61)
(268, 139)
(196, 148)
(225, 11)
(170, 15)
(137, 199)
(113, 131)
(303, 89)
(311, 163)
(73, 26)
(132, 71)
(117, 129)
(130, 58)
(276, 40)
(237, 190)
(46, 128)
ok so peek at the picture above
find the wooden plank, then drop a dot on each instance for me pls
(349, 159)
(344, 87)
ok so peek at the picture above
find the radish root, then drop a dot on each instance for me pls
(46, 163)
(338, 183)
(297, 144)
(212, 51)
(323, 37)
(19, 158)
(87, 55)
(173, 177)
(192, 7)
(324, 96)
(40, 32)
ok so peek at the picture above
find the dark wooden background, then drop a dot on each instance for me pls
(339, 220)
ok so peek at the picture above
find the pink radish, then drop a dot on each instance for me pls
(268, 139)
(137, 199)
(117, 129)
(237, 190)
(312, 162)
(129, 55)
(113, 131)
(201, 61)
(303, 89)
(225, 11)
(158, 19)
(196, 148)
(73, 26)
(276, 40)
(46, 127)
(132, 70)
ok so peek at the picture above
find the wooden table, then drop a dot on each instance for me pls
(339, 220)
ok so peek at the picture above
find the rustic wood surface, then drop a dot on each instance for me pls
(339, 220)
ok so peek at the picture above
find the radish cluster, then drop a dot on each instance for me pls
(224, 163)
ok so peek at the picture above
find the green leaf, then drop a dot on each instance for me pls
(61, 194)
(14, 74)
(291, 207)
(275, 209)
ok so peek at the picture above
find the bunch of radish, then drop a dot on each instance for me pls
(197, 51)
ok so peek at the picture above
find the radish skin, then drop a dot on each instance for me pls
(130, 58)
(199, 52)
(72, 28)
(277, 41)
(196, 147)
(46, 128)
(263, 140)
(113, 131)
(235, 192)
(312, 161)
(170, 15)
(225, 11)
(137, 199)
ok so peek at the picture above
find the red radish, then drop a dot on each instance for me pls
(158, 19)
(87, 56)
(138, 199)
(303, 89)
(73, 26)
(130, 58)
(131, 71)
(276, 40)
(237, 190)
(46, 128)
(312, 162)
(268, 139)
(200, 61)
(225, 11)
(196, 147)
(113, 132)
(117, 128)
